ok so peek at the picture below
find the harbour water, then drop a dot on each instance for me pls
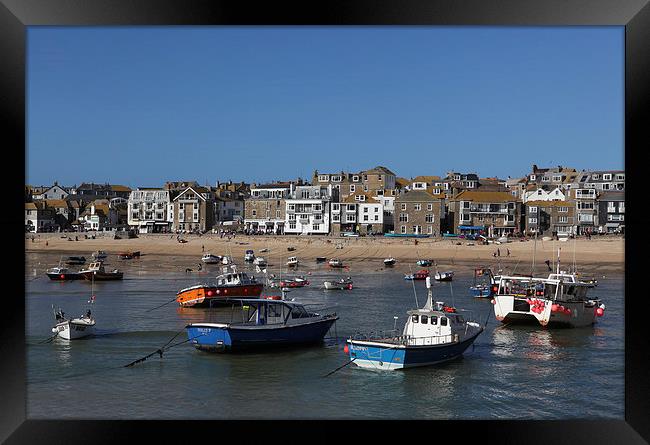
(512, 372)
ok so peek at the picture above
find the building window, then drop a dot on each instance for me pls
(607, 177)
(254, 212)
(562, 209)
(403, 207)
(430, 230)
(429, 207)
(352, 188)
(428, 218)
(532, 220)
(376, 217)
(335, 207)
(336, 218)
(532, 209)
(292, 224)
(355, 178)
(277, 213)
(563, 219)
(365, 210)
(323, 178)
(365, 217)
(417, 207)
(403, 217)
(403, 229)
(316, 226)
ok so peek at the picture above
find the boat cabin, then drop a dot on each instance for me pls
(561, 287)
(235, 279)
(433, 326)
(268, 312)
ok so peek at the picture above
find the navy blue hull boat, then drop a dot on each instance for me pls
(262, 323)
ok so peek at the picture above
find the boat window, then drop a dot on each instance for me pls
(424, 319)
(299, 312)
(275, 310)
(434, 319)
(414, 318)
(443, 321)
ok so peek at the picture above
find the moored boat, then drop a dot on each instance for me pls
(419, 275)
(96, 271)
(433, 334)
(424, 263)
(292, 261)
(390, 261)
(558, 300)
(129, 255)
(228, 285)
(260, 261)
(335, 263)
(321, 259)
(444, 276)
(60, 273)
(72, 329)
(209, 258)
(343, 283)
(99, 255)
(293, 282)
(249, 256)
(488, 287)
(264, 323)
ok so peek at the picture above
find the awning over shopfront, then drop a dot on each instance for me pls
(471, 227)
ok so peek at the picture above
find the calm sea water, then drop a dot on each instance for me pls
(512, 372)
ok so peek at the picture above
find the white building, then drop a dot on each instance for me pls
(308, 210)
(150, 210)
(54, 192)
(542, 195)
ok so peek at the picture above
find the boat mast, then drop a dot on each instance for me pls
(532, 269)
(558, 260)
(429, 303)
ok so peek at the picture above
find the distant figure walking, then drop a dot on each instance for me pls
(508, 253)
(202, 248)
(498, 252)
(45, 241)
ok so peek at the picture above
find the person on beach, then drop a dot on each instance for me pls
(498, 252)
(508, 252)
(202, 248)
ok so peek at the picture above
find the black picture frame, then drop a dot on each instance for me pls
(16, 15)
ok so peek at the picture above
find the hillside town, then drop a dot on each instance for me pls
(555, 201)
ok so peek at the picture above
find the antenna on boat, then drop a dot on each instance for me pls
(575, 269)
(414, 292)
(558, 260)
(532, 269)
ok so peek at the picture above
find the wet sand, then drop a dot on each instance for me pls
(600, 254)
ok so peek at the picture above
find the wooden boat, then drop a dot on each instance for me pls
(336, 263)
(433, 334)
(97, 272)
(264, 323)
(75, 260)
(62, 274)
(342, 284)
(228, 285)
(292, 261)
(444, 276)
(209, 258)
(419, 275)
(129, 255)
(390, 261)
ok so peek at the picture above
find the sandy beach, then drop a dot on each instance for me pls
(591, 256)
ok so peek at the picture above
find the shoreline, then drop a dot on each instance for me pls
(591, 256)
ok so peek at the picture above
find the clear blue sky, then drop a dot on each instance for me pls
(143, 105)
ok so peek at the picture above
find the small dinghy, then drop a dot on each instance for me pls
(424, 263)
(260, 261)
(419, 275)
(209, 258)
(74, 328)
(292, 261)
(390, 261)
(249, 256)
(336, 263)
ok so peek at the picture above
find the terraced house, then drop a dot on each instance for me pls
(150, 210)
(550, 217)
(419, 212)
(358, 213)
(611, 212)
(373, 181)
(193, 210)
(308, 210)
(265, 208)
(487, 213)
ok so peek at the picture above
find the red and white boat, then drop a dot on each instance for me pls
(228, 285)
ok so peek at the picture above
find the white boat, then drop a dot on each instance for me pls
(559, 300)
(209, 258)
(343, 283)
(390, 261)
(444, 276)
(335, 262)
(292, 261)
(74, 328)
(249, 256)
(260, 261)
(225, 260)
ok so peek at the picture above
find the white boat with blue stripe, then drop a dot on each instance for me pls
(433, 334)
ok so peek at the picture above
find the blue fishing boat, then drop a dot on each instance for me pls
(262, 323)
(433, 334)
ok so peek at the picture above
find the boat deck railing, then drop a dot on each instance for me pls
(405, 340)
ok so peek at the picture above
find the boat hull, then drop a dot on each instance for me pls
(337, 286)
(229, 338)
(65, 276)
(378, 355)
(98, 276)
(69, 330)
(208, 296)
(516, 310)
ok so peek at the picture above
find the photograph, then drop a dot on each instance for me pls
(376, 223)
